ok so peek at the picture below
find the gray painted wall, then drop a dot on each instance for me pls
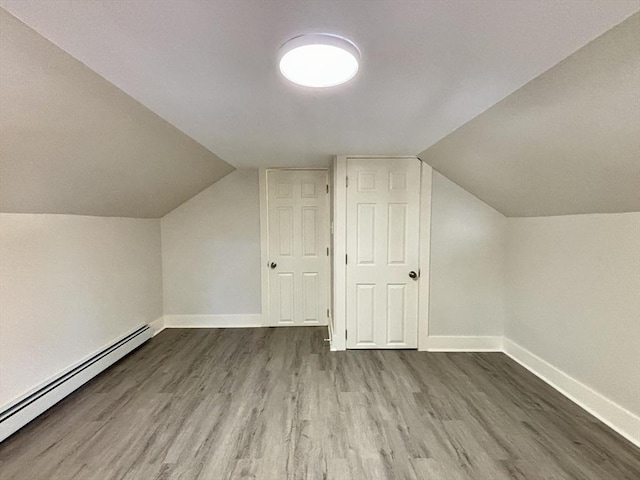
(574, 298)
(467, 263)
(69, 286)
(211, 250)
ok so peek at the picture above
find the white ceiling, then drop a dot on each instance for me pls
(209, 67)
(72, 143)
(568, 142)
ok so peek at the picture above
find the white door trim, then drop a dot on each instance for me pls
(339, 309)
(264, 239)
(425, 257)
(338, 337)
(264, 245)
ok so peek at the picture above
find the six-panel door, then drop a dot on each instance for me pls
(383, 207)
(298, 213)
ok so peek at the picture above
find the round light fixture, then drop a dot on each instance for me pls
(319, 60)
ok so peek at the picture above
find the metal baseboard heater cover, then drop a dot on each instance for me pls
(21, 412)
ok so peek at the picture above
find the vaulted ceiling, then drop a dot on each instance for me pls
(209, 68)
(72, 143)
(568, 142)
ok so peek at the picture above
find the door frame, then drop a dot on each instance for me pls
(339, 249)
(264, 241)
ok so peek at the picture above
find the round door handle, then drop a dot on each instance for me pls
(413, 275)
(273, 265)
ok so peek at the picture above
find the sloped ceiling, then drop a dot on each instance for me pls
(210, 67)
(71, 142)
(568, 142)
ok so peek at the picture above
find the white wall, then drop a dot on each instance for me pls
(70, 285)
(561, 295)
(211, 250)
(467, 263)
(574, 298)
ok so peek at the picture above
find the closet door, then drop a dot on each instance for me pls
(383, 214)
(298, 223)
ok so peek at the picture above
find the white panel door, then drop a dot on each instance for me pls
(298, 223)
(383, 217)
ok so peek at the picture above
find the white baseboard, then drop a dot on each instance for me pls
(618, 418)
(213, 321)
(464, 344)
(157, 326)
(36, 402)
(241, 320)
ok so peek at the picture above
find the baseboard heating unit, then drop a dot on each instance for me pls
(25, 409)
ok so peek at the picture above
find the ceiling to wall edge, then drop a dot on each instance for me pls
(200, 192)
(632, 17)
(115, 86)
(461, 187)
(224, 166)
(234, 168)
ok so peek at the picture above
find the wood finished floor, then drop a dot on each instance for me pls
(275, 404)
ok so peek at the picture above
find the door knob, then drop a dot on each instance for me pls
(273, 265)
(413, 275)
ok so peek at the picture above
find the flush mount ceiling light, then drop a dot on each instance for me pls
(319, 60)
